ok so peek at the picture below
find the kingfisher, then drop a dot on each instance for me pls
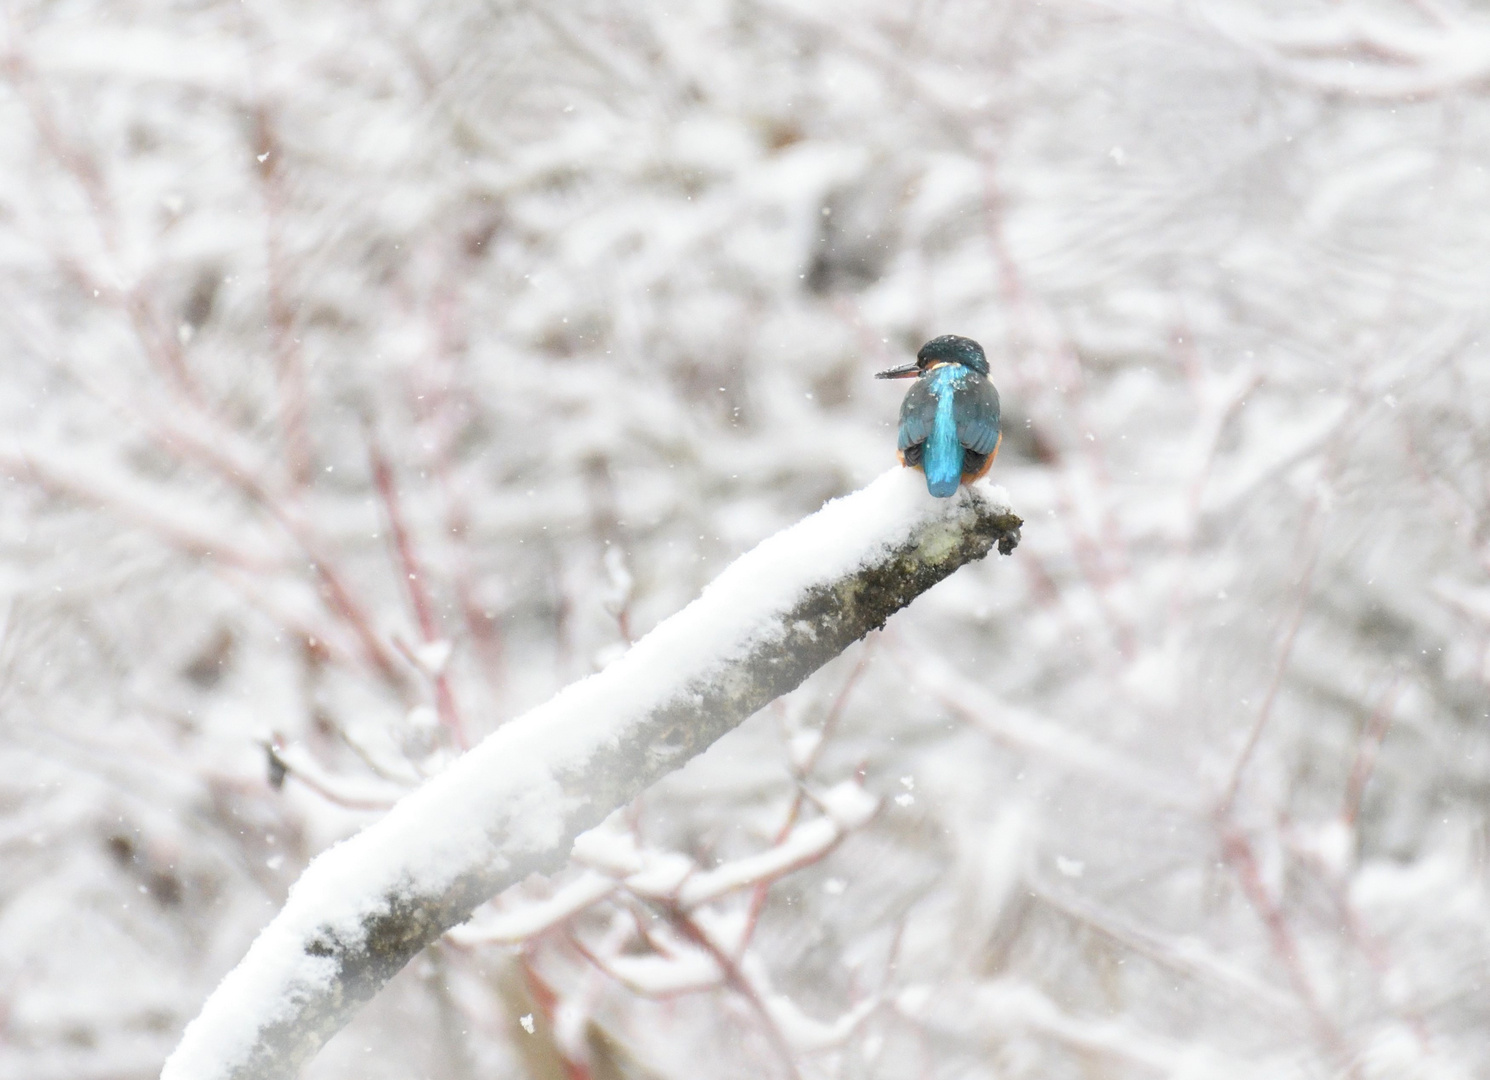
(949, 421)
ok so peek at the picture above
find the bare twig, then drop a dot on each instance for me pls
(1365, 758)
(1238, 852)
(415, 584)
(289, 363)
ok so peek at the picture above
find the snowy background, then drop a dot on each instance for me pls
(370, 371)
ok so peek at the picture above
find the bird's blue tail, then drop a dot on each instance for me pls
(943, 456)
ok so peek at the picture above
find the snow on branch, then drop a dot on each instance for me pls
(515, 804)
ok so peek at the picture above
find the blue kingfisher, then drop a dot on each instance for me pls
(949, 421)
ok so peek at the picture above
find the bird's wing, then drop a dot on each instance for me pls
(917, 412)
(977, 412)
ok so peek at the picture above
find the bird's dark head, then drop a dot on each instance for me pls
(951, 349)
(947, 349)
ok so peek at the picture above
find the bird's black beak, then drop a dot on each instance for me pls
(905, 371)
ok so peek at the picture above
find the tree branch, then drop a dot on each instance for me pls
(514, 804)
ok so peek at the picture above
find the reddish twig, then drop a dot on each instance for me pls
(289, 366)
(602, 965)
(1365, 758)
(163, 349)
(412, 574)
(159, 345)
(830, 723)
(546, 1001)
(1280, 668)
(442, 412)
(200, 449)
(175, 534)
(282, 767)
(1238, 853)
(736, 980)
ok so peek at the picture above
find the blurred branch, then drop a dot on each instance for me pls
(445, 408)
(199, 439)
(413, 575)
(1241, 856)
(287, 760)
(514, 805)
(140, 505)
(1367, 749)
(289, 364)
(157, 342)
(1027, 732)
(1357, 53)
(805, 749)
(1305, 587)
(1186, 956)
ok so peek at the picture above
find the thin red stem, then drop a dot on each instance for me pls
(412, 573)
(289, 366)
(1238, 853)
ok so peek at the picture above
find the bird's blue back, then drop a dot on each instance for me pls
(942, 458)
(952, 410)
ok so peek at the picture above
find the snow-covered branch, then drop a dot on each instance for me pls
(515, 804)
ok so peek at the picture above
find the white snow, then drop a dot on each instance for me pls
(524, 921)
(611, 851)
(803, 844)
(848, 804)
(810, 1035)
(802, 747)
(434, 656)
(666, 974)
(726, 926)
(661, 874)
